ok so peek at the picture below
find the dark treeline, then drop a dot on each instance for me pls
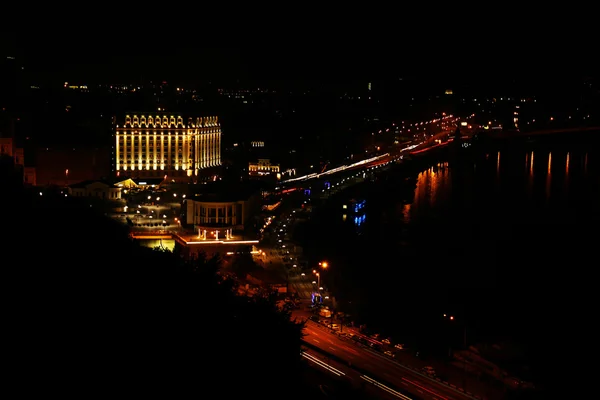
(89, 312)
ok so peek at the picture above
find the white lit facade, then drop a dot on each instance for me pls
(262, 168)
(158, 145)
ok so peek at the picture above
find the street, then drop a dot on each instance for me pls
(401, 372)
(342, 372)
(400, 369)
(380, 367)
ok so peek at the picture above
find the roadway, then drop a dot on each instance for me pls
(379, 366)
(394, 151)
(341, 372)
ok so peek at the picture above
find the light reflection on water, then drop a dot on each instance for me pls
(520, 185)
(483, 228)
(433, 187)
(491, 235)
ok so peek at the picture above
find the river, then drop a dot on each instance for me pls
(501, 238)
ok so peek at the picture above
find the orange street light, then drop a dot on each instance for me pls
(464, 327)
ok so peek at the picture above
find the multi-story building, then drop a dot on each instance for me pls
(7, 148)
(222, 212)
(262, 168)
(166, 145)
(92, 188)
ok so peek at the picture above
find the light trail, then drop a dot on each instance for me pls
(386, 388)
(338, 169)
(356, 164)
(322, 364)
(436, 394)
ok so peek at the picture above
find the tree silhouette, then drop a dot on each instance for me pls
(242, 264)
(93, 313)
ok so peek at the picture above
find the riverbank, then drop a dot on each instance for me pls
(470, 236)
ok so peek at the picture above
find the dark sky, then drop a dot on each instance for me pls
(122, 59)
(185, 59)
(106, 61)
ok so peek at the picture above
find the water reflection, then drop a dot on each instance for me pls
(498, 164)
(531, 166)
(529, 158)
(567, 170)
(445, 188)
(463, 227)
(549, 177)
(406, 212)
(433, 186)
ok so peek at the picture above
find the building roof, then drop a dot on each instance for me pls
(164, 119)
(123, 181)
(149, 181)
(219, 192)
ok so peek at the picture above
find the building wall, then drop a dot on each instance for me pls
(262, 168)
(215, 214)
(7, 147)
(97, 190)
(19, 156)
(233, 214)
(82, 164)
(29, 176)
(155, 145)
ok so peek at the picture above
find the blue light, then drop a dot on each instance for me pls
(359, 220)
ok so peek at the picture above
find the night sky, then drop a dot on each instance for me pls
(88, 58)
(183, 60)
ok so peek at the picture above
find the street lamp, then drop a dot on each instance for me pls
(451, 318)
(324, 265)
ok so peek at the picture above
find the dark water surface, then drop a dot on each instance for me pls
(504, 239)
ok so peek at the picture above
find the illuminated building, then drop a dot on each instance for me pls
(93, 188)
(219, 216)
(262, 168)
(166, 145)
